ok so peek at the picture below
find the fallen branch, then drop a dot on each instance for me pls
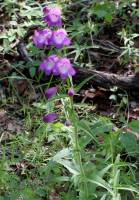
(21, 48)
(107, 80)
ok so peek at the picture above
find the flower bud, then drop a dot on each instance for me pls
(51, 117)
(71, 92)
(50, 92)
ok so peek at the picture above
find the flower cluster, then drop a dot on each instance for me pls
(54, 65)
(47, 37)
(57, 66)
(57, 38)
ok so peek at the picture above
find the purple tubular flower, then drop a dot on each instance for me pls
(63, 68)
(52, 16)
(49, 93)
(60, 38)
(51, 117)
(71, 92)
(42, 38)
(48, 64)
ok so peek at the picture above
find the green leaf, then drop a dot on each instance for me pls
(134, 125)
(41, 192)
(101, 182)
(14, 195)
(136, 11)
(28, 194)
(69, 195)
(129, 142)
(92, 129)
(105, 170)
(128, 188)
(84, 126)
(103, 10)
(32, 71)
(103, 197)
(64, 153)
(2, 198)
(62, 157)
(102, 125)
(77, 88)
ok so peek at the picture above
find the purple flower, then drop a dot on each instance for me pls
(51, 117)
(63, 68)
(52, 16)
(49, 93)
(42, 37)
(48, 64)
(60, 38)
(71, 92)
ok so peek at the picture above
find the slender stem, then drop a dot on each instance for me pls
(111, 148)
(114, 167)
(51, 78)
(82, 185)
(83, 189)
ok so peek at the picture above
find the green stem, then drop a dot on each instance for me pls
(83, 189)
(82, 184)
(111, 148)
(114, 167)
(51, 78)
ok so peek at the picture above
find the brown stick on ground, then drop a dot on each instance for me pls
(107, 80)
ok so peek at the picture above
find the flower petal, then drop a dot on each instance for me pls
(60, 38)
(67, 42)
(48, 64)
(42, 37)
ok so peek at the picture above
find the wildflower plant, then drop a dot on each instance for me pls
(60, 66)
(85, 175)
